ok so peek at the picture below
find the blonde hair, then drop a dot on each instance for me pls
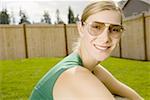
(96, 7)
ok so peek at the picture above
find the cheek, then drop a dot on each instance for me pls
(85, 41)
(88, 39)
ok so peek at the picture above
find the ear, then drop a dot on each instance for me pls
(80, 28)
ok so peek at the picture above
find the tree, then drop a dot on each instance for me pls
(4, 17)
(71, 18)
(24, 19)
(58, 19)
(77, 18)
(46, 18)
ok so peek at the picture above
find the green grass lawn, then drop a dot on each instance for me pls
(18, 77)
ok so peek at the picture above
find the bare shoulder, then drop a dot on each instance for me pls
(75, 81)
(71, 74)
(76, 69)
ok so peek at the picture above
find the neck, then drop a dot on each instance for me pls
(88, 61)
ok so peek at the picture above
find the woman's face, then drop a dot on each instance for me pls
(100, 34)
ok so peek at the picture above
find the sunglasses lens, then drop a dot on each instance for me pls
(116, 29)
(96, 28)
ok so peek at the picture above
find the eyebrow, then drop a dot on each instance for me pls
(108, 23)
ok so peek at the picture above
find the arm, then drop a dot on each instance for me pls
(115, 86)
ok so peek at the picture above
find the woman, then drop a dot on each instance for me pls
(78, 76)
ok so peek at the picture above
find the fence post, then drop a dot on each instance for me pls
(144, 31)
(120, 48)
(25, 41)
(66, 41)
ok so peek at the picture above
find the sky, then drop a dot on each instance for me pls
(34, 9)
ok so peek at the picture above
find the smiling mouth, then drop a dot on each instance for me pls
(102, 48)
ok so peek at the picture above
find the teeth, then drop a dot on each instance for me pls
(101, 48)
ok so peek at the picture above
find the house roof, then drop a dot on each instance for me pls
(122, 3)
(127, 1)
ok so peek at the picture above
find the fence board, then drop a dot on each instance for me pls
(133, 40)
(11, 42)
(45, 40)
(147, 24)
(72, 36)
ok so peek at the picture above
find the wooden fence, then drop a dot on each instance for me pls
(28, 41)
(135, 43)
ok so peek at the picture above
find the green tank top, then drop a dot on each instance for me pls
(44, 88)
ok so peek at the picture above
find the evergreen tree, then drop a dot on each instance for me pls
(4, 17)
(58, 19)
(24, 18)
(57, 16)
(46, 18)
(71, 18)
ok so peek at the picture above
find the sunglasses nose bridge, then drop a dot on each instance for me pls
(105, 31)
(106, 24)
(106, 27)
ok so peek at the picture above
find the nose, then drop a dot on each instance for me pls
(104, 37)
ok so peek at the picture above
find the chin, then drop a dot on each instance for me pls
(102, 58)
(99, 55)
